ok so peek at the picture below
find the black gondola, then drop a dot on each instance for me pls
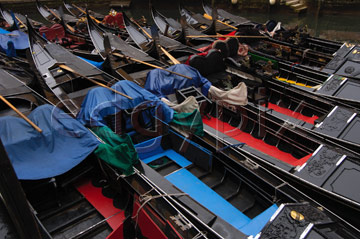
(311, 113)
(276, 141)
(274, 120)
(76, 203)
(15, 88)
(229, 179)
(226, 17)
(53, 15)
(68, 88)
(227, 187)
(320, 84)
(198, 22)
(345, 62)
(79, 12)
(181, 30)
(307, 41)
(21, 19)
(143, 39)
(167, 26)
(118, 54)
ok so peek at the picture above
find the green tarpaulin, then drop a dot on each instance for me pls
(118, 150)
(189, 122)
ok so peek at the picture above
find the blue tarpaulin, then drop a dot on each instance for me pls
(19, 38)
(3, 31)
(162, 83)
(97, 64)
(62, 145)
(101, 102)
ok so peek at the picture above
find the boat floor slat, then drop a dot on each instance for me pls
(58, 210)
(72, 221)
(83, 225)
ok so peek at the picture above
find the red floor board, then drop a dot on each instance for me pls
(253, 142)
(148, 228)
(102, 204)
(292, 114)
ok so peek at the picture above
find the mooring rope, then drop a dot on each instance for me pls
(146, 197)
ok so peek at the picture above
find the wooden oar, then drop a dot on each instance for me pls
(173, 59)
(21, 114)
(84, 12)
(58, 17)
(67, 68)
(141, 28)
(20, 22)
(225, 36)
(151, 65)
(210, 18)
(161, 48)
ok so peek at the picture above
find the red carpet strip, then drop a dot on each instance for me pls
(102, 204)
(255, 143)
(291, 113)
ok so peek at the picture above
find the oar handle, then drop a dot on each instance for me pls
(21, 114)
(173, 59)
(21, 22)
(224, 23)
(142, 29)
(67, 68)
(81, 10)
(107, 87)
(52, 12)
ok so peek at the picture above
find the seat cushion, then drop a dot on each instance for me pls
(215, 62)
(199, 63)
(222, 47)
(233, 46)
(211, 63)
